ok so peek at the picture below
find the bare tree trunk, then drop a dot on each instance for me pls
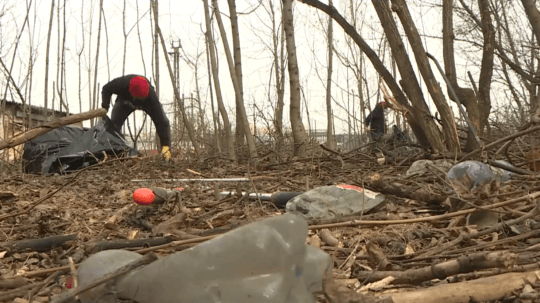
(409, 81)
(330, 141)
(486, 70)
(221, 107)
(58, 51)
(240, 131)
(156, 49)
(125, 38)
(91, 104)
(189, 126)
(97, 55)
(46, 88)
(299, 133)
(237, 88)
(279, 70)
(448, 123)
(215, 116)
(61, 89)
(139, 36)
(465, 95)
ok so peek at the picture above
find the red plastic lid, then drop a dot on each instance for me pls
(143, 196)
(346, 186)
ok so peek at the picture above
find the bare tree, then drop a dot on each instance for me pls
(408, 81)
(79, 55)
(466, 95)
(97, 55)
(156, 47)
(330, 141)
(215, 76)
(449, 126)
(486, 70)
(298, 130)
(60, 86)
(234, 77)
(46, 87)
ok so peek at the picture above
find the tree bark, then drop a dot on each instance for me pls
(486, 70)
(240, 131)
(279, 71)
(329, 122)
(46, 89)
(47, 127)
(409, 81)
(447, 117)
(156, 47)
(97, 55)
(298, 130)
(465, 95)
(217, 85)
(238, 92)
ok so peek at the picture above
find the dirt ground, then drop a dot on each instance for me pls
(416, 247)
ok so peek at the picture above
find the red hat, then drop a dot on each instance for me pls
(138, 87)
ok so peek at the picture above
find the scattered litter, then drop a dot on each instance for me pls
(329, 202)
(471, 174)
(423, 167)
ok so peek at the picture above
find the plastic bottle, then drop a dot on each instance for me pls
(265, 261)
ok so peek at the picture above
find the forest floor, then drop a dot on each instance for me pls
(415, 247)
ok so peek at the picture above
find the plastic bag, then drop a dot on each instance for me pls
(329, 202)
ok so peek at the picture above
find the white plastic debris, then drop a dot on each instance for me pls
(329, 202)
(422, 167)
(265, 261)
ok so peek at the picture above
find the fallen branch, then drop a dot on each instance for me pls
(479, 290)
(93, 248)
(47, 127)
(464, 264)
(40, 244)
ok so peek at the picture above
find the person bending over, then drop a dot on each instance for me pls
(375, 121)
(134, 92)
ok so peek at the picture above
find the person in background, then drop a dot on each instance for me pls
(375, 121)
(399, 134)
(134, 92)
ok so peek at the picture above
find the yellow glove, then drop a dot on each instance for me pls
(166, 152)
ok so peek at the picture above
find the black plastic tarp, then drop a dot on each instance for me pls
(70, 148)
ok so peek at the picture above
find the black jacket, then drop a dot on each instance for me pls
(375, 119)
(150, 105)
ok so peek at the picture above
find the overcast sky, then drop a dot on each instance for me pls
(185, 20)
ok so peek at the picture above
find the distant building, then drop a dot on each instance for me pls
(14, 120)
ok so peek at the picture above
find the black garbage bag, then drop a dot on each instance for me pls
(69, 148)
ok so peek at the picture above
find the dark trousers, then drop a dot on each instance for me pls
(121, 110)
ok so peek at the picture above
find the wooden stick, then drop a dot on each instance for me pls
(47, 127)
